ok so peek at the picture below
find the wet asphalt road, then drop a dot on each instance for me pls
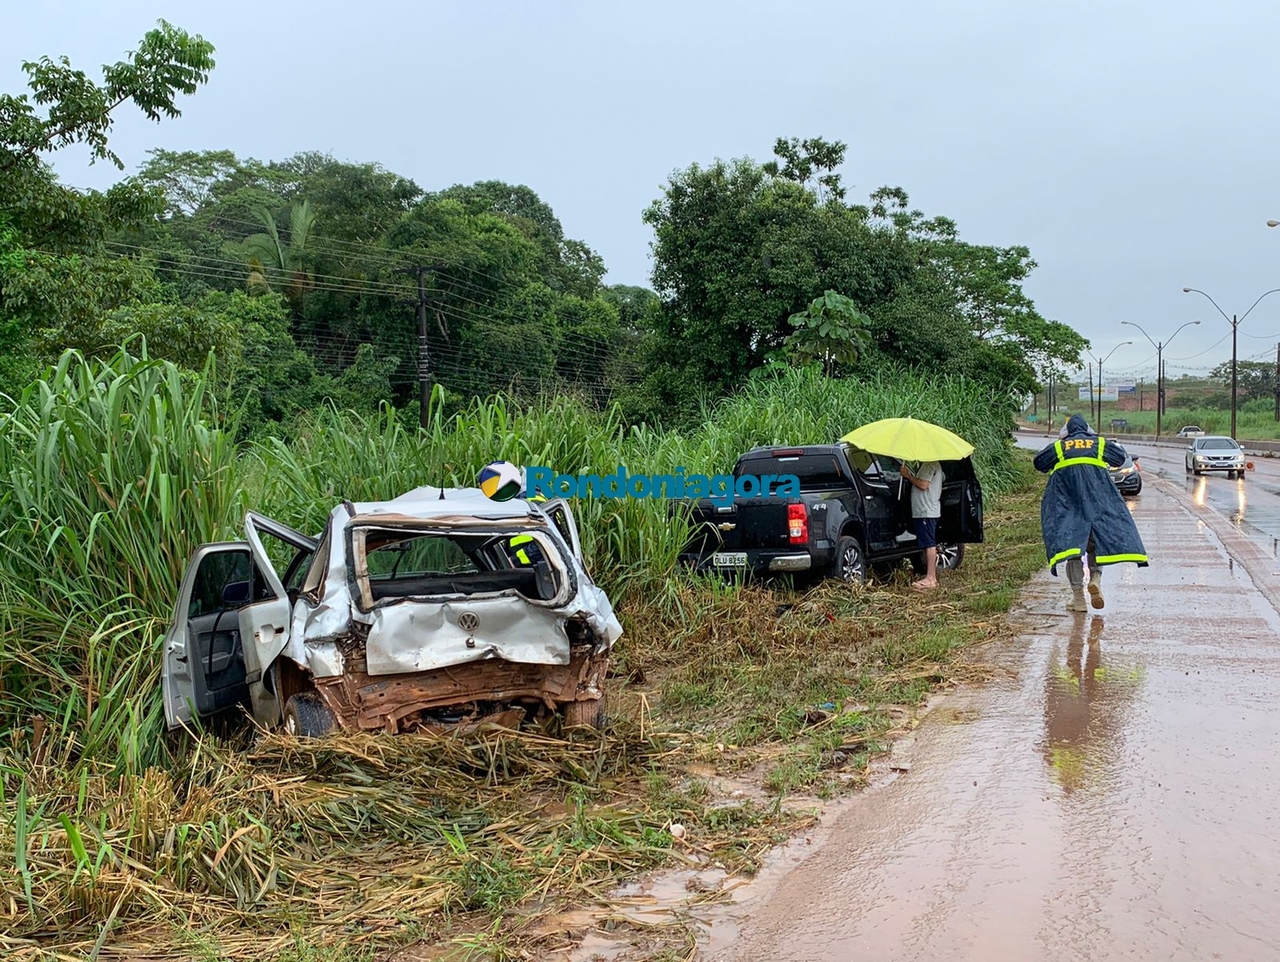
(1113, 793)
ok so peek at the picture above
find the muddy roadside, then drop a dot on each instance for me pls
(1103, 793)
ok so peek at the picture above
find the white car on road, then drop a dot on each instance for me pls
(1215, 453)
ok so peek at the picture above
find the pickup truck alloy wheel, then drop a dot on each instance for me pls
(949, 558)
(849, 564)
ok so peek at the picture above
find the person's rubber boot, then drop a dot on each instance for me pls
(1077, 602)
(1095, 589)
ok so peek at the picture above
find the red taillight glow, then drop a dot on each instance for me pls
(798, 523)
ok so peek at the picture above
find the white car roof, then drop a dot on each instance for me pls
(426, 503)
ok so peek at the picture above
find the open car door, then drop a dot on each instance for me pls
(203, 652)
(264, 624)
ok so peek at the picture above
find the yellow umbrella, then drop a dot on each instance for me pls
(910, 440)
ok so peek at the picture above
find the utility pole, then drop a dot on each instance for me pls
(424, 347)
(1278, 382)
(1139, 395)
(1091, 418)
(1049, 399)
(1235, 324)
(424, 353)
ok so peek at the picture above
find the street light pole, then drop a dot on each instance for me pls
(1159, 346)
(1098, 424)
(1235, 324)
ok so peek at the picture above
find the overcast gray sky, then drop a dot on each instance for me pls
(1132, 146)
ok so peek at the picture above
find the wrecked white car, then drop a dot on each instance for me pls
(437, 609)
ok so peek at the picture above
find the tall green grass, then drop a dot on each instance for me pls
(115, 471)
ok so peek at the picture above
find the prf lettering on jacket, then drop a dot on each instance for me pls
(1076, 443)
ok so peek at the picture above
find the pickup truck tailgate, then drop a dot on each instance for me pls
(745, 524)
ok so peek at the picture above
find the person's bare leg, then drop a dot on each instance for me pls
(930, 579)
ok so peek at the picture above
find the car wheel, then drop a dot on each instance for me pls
(849, 565)
(588, 713)
(1187, 466)
(306, 716)
(1137, 488)
(949, 558)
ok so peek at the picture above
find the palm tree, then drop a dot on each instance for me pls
(270, 252)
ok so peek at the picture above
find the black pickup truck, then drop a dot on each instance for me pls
(853, 511)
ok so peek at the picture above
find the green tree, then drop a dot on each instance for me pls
(1255, 380)
(737, 252)
(811, 162)
(57, 272)
(287, 254)
(831, 331)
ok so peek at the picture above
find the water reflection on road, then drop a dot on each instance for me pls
(1083, 707)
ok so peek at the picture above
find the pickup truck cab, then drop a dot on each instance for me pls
(853, 511)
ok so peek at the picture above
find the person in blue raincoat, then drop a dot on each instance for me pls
(1082, 512)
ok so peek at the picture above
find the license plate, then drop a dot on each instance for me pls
(729, 559)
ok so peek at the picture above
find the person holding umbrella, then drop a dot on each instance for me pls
(926, 444)
(926, 509)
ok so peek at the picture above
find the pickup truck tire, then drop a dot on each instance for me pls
(306, 716)
(949, 558)
(849, 564)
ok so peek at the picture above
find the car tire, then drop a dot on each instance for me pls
(588, 713)
(950, 557)
(849, 564)
(306, 716)
(1187, 466)
(1137, 489)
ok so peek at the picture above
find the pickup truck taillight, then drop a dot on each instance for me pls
(798, 523)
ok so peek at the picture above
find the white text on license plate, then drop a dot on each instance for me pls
(729, 559)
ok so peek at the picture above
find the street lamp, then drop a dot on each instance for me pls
(1235, 323)
(1100, 360)
(1159, 366)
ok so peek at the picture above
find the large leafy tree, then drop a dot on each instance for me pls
(737, 252)
(56, 271)
(741, 247)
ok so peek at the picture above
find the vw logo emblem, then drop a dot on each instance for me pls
(468, 621)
